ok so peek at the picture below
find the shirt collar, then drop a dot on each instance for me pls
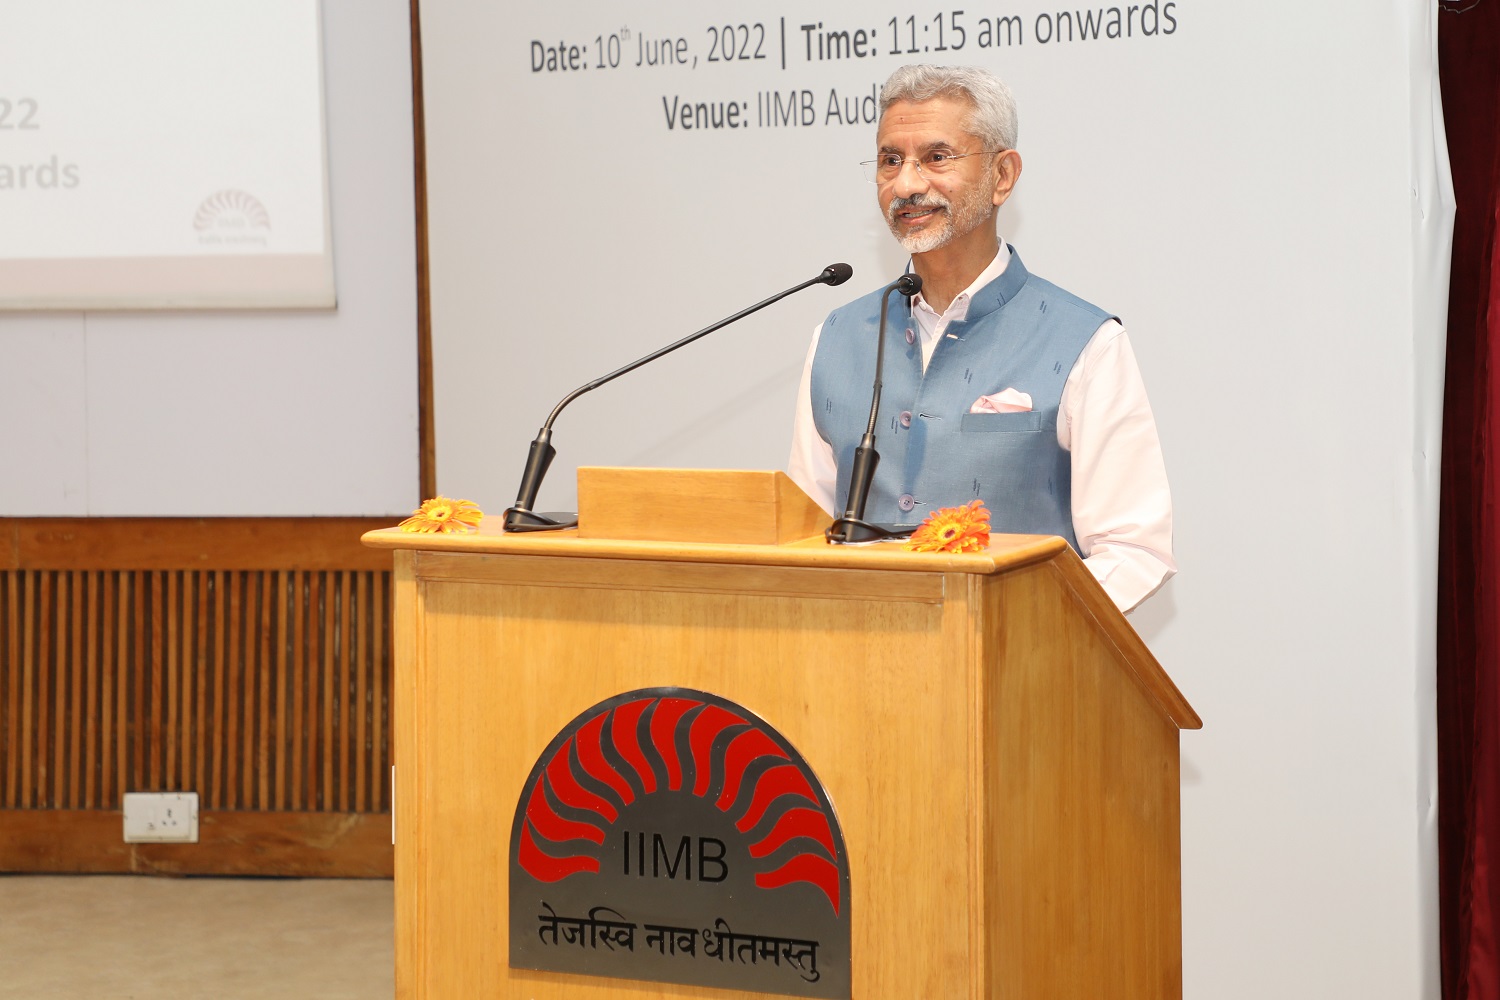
(958, 309)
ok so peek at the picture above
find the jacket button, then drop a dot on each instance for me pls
(911, 336)
(906, 501)
(905, 418)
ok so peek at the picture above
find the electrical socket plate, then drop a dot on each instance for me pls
(161, 817)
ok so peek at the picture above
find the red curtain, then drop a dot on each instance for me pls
(1468, 668)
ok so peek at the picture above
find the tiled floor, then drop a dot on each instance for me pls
(98, 937)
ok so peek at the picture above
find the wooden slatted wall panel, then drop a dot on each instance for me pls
(266, 690)
(245, 659)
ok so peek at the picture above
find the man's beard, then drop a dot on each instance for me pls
(960, 220)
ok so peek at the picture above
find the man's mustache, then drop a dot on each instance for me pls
(925, 200)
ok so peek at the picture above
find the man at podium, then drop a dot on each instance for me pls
(998, 385)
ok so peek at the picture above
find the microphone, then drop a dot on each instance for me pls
(521, 517)
(852, 527)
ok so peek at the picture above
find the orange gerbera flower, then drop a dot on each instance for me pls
(953, 529)
(441, 515)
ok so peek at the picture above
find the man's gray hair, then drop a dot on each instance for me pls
(993, 119)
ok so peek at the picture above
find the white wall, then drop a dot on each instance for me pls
(281, 412)
(1262, 196)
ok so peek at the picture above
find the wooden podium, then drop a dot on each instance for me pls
(1000, 746)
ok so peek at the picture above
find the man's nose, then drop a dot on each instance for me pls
(909, 180)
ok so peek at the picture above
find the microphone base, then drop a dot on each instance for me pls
(517, 519)
(853, 531)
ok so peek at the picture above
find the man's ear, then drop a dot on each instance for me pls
(1007, 171)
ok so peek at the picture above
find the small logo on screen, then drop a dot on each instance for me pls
(232, 217)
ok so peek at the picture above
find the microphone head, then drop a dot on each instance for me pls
(909, 284)
(837, 274)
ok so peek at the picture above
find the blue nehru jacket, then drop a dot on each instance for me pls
(1021, 333)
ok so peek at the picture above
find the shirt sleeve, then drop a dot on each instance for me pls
(811, 464)
(1122, 506)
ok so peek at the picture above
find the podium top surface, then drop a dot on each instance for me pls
(1006, 552)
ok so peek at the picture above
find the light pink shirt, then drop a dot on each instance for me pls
(1122, 507)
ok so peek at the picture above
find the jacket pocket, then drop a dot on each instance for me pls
(1003, 423)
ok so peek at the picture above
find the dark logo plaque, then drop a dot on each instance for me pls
(672, 836)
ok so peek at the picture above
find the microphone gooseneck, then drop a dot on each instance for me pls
(852, 526)
(520, 516)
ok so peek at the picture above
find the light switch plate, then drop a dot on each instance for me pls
(161, 817)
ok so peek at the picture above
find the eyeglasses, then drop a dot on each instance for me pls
(934, 163)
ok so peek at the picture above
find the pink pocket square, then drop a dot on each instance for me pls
(1004, 401)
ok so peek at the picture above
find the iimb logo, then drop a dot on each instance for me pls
(671, 835)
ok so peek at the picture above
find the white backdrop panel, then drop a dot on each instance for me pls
(43, 402)
(1258, 194)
